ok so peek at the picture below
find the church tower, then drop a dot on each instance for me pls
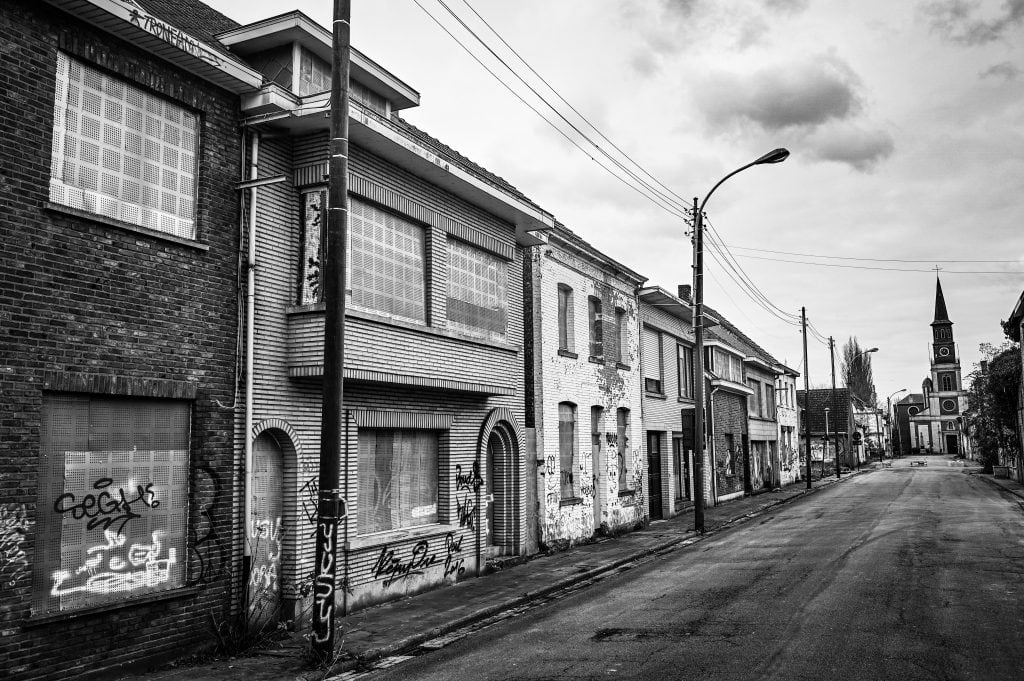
(938, 428)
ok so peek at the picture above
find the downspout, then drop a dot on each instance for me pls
(250, 310)
(711, 433)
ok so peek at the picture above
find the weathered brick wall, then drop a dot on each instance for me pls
(290, 406)
(92, 307)
(730, 416)
(586, 384)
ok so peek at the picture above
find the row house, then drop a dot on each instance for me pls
(787, 414)
(668, 380)
(434, 471)
(831, 417)
(1013, 327)
(118, 318)
(739, 362)
(583, 403)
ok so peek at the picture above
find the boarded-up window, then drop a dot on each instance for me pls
(567, 448)
(652, 361)
(113, 493)
(565, 313)
(621, 336)
(622, 442)
(314, 74)
(397, 479)
(596, 320)
(121, 152)
(386, 270)
(477, 291)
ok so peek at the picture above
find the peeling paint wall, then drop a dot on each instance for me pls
(610, 381)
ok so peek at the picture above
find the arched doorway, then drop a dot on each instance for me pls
(499, 454)
(265, 534)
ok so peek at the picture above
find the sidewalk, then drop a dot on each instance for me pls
(434, 618)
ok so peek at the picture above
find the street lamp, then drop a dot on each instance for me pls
(774, 156)
(888, 415)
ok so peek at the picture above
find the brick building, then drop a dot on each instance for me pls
(434, 470)
(837, 422)
(667, 334)
(787, 415)
(118, 318)
(906, 407)
(1014, 330)
(583, 391)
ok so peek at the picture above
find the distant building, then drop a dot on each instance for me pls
(837, 423)
(939, 428)
(910, 405)
(787, 415)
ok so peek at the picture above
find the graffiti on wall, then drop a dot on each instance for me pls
(14, 526)
(308, 496)
(266, 537)
(108, 507)
(205, 544)
(393, 568)
(467, 484)
(454, 563)
(108, 568)
(323, 581)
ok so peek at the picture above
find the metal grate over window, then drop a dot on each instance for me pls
(113, 493)
(386, 255)
(477, 291)
(121, 152)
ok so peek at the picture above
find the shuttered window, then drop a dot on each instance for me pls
(477, 291)
(113, 501)
(622, 444)
(565, 318)
(386, 270)
(652, 361)
(121, 152)
(397, 479)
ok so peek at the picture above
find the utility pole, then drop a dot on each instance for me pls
(832, 354)
(807, 396)
(698, 368)
(331, 504)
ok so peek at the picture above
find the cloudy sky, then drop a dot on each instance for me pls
(905, 121)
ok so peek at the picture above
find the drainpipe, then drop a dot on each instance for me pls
(711, 433)
(250, 310)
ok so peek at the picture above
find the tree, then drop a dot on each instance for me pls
(855, 368)
(991, 416)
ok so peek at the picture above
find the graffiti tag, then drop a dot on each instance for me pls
(116, 575)
(469, 481)
(106, 508)
(323, 583)
(454, 563)
(394, 569)
(14, 526)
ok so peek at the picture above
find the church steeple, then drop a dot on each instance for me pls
(940, 303)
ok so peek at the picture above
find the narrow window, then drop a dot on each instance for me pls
(685, 369)
(652, 364)
(769, 398)
(596, 330)
(397, 479)
(621, 336)
(947, 382)
(596, 431)
(565, 312)
(756, 408)
(567, 448)
(622, 442)
(310, 284)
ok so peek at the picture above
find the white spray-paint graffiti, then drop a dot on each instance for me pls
(266, 536)
(14, 526)
(109, 568)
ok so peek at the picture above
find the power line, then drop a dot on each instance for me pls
(882, 269)
(658, 199)
(841, 257)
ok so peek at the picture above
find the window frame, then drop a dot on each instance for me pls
(568, 451)
(153, 184)
(367, 472)
(484, 263)
(622, 436)
(684, 370)
(595, 318)
(566, 341)
(654, 385)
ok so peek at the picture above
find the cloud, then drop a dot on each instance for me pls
(858, 147)
(1005, 70)
(802, 94)
(959, 21)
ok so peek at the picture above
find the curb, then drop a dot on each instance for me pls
(992, 482)
(415, 640)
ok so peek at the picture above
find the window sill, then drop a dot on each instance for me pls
(562, 352)
(654, 395)
(596, 359)
(169, 595)
(624, 367)
(104, 220)
(373, 317)
(571, 501)
(627, 493)
(683, 398)
(391, 536)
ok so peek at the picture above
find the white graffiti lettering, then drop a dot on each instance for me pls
(114, 577)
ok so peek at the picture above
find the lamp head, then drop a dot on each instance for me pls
(871, 350)
(774, 156)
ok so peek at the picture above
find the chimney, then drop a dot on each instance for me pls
(684, 292)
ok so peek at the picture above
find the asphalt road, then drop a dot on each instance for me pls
(908, 573)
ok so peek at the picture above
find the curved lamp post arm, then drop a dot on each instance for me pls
(774, 156)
